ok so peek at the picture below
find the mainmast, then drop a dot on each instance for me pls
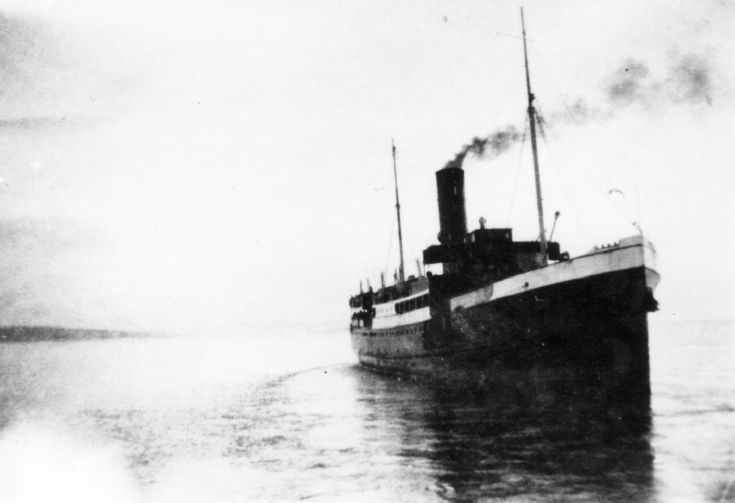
(401, 277)
(532, 122)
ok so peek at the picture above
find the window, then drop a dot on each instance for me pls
(412, 304)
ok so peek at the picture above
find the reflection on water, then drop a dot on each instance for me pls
(497, 445)
(263, 419)
(422, 442)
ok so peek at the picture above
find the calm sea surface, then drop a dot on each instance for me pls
(291, 418)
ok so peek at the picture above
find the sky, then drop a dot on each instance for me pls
(214, 166)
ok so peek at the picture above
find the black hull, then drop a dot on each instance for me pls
(592, 330)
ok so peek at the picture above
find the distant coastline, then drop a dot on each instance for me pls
(25, 333)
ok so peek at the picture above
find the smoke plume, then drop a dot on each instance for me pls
(690, 81)
(490, 146)
(686, 80)
(629, 83)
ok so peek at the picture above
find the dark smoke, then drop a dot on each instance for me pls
(490, 146)
(629, 83)
(27, 45)
(34, 122)
(578, 112)
(687, 80)
(690, 81)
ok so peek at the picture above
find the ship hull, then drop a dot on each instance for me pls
(591, 329)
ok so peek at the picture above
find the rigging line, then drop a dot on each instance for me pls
(620, 213)
(568, 196)
(518, 171)
(390, 246)
(727, 490)
(550, 128)
(592, 181)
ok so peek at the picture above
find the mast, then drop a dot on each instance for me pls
(532, 127)
(401, 277)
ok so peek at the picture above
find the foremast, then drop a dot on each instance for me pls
(534, 148)
(401, 275)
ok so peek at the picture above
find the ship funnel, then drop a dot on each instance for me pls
(452, 215)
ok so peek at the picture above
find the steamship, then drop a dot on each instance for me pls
(510, 309)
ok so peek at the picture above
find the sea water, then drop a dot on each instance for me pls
(277, 417)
